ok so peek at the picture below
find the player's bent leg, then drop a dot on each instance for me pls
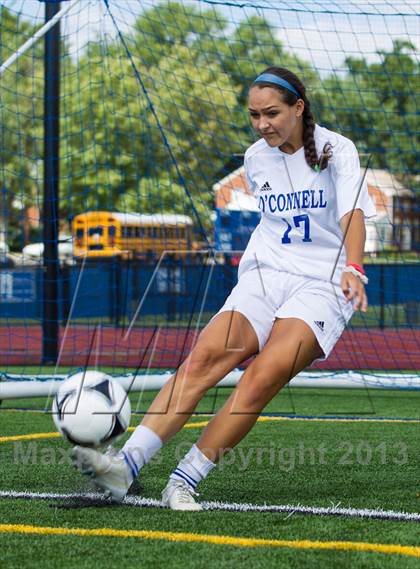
(292, 346)
(227, 340)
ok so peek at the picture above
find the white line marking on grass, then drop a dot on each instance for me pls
(224, 506)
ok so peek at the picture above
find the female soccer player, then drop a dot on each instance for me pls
(300, 279)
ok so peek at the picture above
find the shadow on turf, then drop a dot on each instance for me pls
(88, 502)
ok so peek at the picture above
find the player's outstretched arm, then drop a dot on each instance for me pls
(353, 279)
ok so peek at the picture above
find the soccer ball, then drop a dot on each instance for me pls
(91, 409)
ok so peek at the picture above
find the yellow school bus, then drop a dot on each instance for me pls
(99, 234)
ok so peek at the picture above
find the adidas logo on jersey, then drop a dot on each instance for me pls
(266, 188)
(320, 324)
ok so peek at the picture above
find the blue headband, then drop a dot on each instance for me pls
(271, 78)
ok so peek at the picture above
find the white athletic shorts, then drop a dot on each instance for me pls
(263, 294)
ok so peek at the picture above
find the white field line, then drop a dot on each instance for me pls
(224, 506)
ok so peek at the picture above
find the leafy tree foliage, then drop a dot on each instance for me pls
(375, 105)
(20, 124)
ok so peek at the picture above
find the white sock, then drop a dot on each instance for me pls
(140, 448)
(193, 468)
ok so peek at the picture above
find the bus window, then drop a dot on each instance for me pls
(112, 230)
(99, 230)
(79, 236)
(127, 231)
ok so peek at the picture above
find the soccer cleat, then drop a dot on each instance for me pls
(109, 471)
(178, 495)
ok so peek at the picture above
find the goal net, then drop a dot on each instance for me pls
(153, 209)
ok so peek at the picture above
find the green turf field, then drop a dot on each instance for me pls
(318, 458)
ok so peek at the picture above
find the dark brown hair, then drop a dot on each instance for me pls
(311, 156)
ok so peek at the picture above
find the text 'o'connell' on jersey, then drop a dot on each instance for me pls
(307, 199)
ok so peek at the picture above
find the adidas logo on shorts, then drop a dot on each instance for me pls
(266, 188)
(320, 324)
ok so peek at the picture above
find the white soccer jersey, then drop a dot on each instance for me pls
(299, 231)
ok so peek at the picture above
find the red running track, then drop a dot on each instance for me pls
(397, 348)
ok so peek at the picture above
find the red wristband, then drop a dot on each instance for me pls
(357, 267)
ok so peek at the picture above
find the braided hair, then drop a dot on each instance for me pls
(314, 161)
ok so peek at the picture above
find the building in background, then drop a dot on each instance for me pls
(397, 222)
(237, 214)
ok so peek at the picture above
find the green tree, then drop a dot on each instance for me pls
(21, 126)
(375, 105)
(161, 195)
(117, 140)
(159, 31)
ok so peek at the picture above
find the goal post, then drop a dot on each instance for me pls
(15, 386)
(39, 34)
